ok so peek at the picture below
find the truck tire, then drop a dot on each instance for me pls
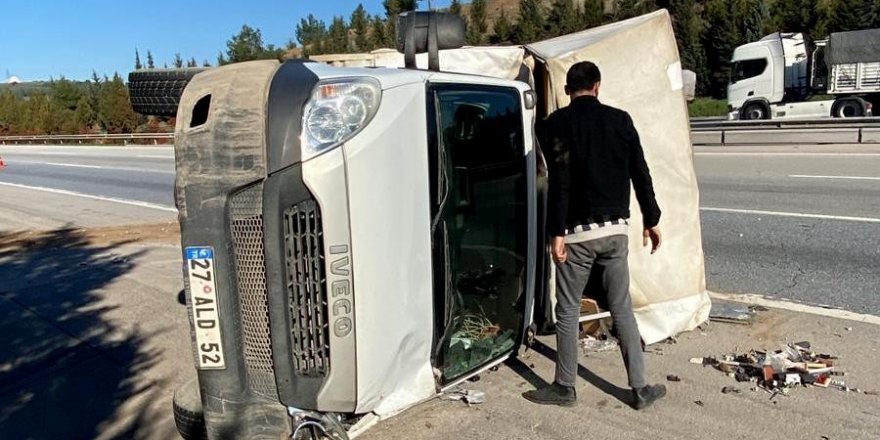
(755, 111)
(188, 414)
(848, 108)
(156, 92)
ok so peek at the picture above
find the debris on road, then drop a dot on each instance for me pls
(673, 378)
(594, 345)
(730, 390)
(471, 397)
(795, 364)
(699, 403)
(733, 313)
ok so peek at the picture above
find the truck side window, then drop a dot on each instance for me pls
(748, 69)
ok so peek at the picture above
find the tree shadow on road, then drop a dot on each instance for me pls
(67, 370)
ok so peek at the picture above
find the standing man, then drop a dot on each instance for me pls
(593, 154)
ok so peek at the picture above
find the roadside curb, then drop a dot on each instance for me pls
(761, 300)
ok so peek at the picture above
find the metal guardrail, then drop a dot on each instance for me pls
(704, 131)
(786, 131)
(62, 139)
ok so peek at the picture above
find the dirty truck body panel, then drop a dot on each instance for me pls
(348, 223)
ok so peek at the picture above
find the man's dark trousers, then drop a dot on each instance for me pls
(571, 278)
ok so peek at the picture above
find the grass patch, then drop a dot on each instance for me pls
(707, 107)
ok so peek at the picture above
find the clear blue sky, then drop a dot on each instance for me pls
(40, 39)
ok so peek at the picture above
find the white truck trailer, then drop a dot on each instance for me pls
(777, 76)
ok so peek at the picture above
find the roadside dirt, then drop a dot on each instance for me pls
(163, 232)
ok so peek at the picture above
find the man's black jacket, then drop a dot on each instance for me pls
(593, 152)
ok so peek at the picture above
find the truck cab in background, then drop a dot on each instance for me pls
(777, 76)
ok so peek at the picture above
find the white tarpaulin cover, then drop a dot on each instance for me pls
(641, 74)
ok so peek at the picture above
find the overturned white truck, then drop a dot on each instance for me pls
(357, 240)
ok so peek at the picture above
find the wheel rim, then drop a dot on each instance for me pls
(755, 112)
(849, 110)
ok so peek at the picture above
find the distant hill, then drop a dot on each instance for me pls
(30, 88)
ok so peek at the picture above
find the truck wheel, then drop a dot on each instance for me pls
(188, 414)
(156, 92)
(848, 108)
(754, 112)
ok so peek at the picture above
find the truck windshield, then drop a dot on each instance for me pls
(746, 69)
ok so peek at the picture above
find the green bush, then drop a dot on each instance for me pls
(707, 107)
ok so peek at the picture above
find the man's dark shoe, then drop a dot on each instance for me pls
(554, 394)
(645, 396)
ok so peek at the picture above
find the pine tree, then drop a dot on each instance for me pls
(688, 34)
(502, 29)
(150, 64)
(593, 14)
(477, 26)
(114, 107)
(378, 39)
(84, 115)
(750, 16)
(205, 63)
(311, 33)
(178, 61)
(795, 15)
(247, 45)
(632, 8)
(719, 41)
(338, 36)
(192, 62)
(455, 8)
(848, 15)
(531, 22)
(221, 59)
(359, 23)
(137, 61)
(562, 19)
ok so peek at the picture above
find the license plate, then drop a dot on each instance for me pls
(206, 319)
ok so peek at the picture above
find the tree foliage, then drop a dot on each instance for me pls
(593, 14)
(477, 23)
(360, 27)
(563, 18)
(502, 29)
(531, 22)
(248, 45)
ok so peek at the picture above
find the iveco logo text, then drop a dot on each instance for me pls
(340, 291)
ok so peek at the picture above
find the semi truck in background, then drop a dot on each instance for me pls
(780, 75)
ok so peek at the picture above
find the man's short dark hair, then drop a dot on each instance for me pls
(582, 76)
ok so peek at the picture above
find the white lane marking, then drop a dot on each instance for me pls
(72, 165)
(733, 154)
(93, 197)
(761, 300)
(149, 156)
(806, 176)
(793, 214)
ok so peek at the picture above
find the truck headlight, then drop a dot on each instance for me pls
(337, 110)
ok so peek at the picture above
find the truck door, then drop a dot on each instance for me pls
(481, 230)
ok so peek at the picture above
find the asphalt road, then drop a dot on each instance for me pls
(137, 174)
(799, 223)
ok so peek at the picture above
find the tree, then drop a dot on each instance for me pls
(65, 94)
(477, 25)
(688, 33)
(247, 45)
(393, 8)
(378, 38)
(192, 62)
(502, 29)
(221, 59)
(150, 64)
(311, 33)
(455, 8)
(562, 18)
(593, 14)
(795, 15)
(719, 42)
(359, 23)
(137, 61)
(847, 15)
(178, 61)
(114, 107)
(337, 41)
(750, 16)
(84, 115)
(632, 8)
(531, 22)
(205, 63)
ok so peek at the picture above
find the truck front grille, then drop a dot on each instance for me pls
(307, 288)
(246, 213)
